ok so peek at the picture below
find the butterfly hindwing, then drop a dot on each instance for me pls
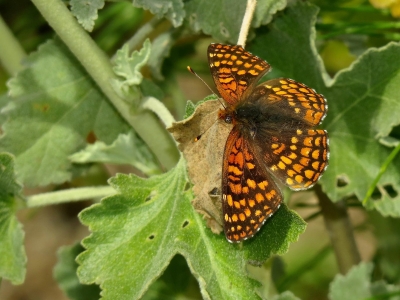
(298, 158)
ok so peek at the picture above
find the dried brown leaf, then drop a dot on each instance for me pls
(204, 158)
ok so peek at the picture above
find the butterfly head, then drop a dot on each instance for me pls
(227, 115)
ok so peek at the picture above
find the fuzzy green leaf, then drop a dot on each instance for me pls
(172, 10)
(12, 252)
(86, 11)
(65, 274)
(128, 66)
(356, 285)
(137, 232)
(363, 104)
(126, 149)
(56, 107)
(223, 18)
(265, 10)
(275, 236)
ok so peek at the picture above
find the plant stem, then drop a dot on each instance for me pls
(159, 109)
(98, 65)
(248, 17)
(340, 231)
(70, 195)
(11, 51)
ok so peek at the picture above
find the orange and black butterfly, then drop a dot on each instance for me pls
(273, 138)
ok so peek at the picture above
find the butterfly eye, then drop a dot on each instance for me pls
(228, 119)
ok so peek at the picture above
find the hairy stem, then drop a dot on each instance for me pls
(11, 51)
(98, 65)
(248, 16)
(340, 231)
(69, 195)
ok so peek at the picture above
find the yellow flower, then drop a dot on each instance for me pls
(393, 5)
(395, 9)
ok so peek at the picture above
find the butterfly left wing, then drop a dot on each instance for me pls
(235, 71)
(249, 195)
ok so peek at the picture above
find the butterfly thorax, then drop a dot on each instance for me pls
(257, 117)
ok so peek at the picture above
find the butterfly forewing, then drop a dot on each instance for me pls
(249, 196)
(235, 71)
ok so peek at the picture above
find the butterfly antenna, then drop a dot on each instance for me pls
(194, 73)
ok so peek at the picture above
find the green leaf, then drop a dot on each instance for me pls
(126, 149)
(12, 252)
(86, 11)
(222, 19)
(172, 10)
(137, 232)
(191, 107)
(56, 108)
(265, 10)
(128, 66)
(363, 104)
(275, 236)
(356, 285)
(65, 274)
(294, 54)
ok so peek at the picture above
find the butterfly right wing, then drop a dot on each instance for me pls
(292, 149)
(249, 195)
(235, 71)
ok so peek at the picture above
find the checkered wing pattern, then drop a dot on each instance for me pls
(293, 99)
(235, 71)
(295, 152)
(249, 195)
(297, 158)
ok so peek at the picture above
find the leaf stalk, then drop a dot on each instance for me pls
(340, 231)
(70, 195)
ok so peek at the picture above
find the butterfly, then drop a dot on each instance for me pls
(273, 139)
